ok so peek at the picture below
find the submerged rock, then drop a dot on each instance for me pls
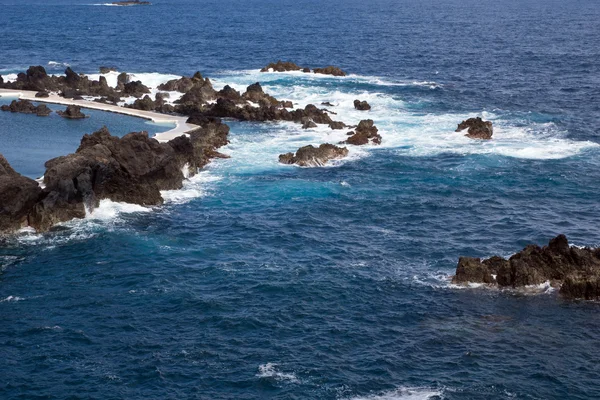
(362, 105)
(27, 107)
(337, 124)
(365, 133)
(106, 70)
(72, 112)
(477, 128)
(577, 268)
(310, 156)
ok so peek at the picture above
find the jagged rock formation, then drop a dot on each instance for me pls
(362, 105)
(365, 133)
(310, 156)
(72, 112)
(133, 169)
(18, 194)
(477, 128)
(578, 269)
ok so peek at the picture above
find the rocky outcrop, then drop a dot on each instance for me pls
(106, 70)
(477, 128)
(72, 112)
(310, 156)
(330, 70)
(578, 269)
(132, 169)
(135, 89)
(365, 133)
(255, 94)
(18, 195)
(147, 104)
(308, 123)
(337, 125)
(281, 66)
(43, 94)
(362, 105)
(27, 107)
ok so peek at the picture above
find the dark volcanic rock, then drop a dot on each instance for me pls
(136, 89)
(577, 268)
(337, 125)
(478, 128)
(328, 104)
(18, 195)
(42, 94)
(281, 66)
(310, 156)
(72, 112)
(106, 70)
(230, 94)
(361, 105)
(199, 93)
(330, 70)
(307, 123)
(27, 107)
(122, 80)
(132, 169)
(365, 132)
(256, 94)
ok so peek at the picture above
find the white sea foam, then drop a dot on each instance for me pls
(58, 64)
(270, 371)
(12, 299)
(404, 394)
(193, 188)
(109, 210)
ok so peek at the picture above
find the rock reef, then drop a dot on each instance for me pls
(366, 132)
(283, 66)
(477, 128)
(310, 156)
(576, 269)
(72, 112)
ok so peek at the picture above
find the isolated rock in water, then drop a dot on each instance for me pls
(577, 268)
(365, 133)
(72, 112)
(18, 195)
(478, 128)
(310, 156)
(328, 104)
(330, 70)
(281, 66)
(106, 70)
(27, 107)
(337, 125)
(361, 105)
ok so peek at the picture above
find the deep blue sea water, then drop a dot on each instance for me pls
(259, 280)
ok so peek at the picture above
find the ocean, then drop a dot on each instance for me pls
(260, 280)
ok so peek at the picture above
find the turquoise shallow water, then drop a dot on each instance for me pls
(259, 280)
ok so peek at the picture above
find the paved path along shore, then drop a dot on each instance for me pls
(181, 126)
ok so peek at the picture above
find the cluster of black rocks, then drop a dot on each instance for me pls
(41, 110)
(576, 270)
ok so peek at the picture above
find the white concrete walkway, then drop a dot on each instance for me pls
(181, 127)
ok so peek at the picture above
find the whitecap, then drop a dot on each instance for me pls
(404, 393)
(269, 371)
(12, 299)
(57, 64)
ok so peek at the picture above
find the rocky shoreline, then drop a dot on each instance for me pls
(575, 270)
(136, 168)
